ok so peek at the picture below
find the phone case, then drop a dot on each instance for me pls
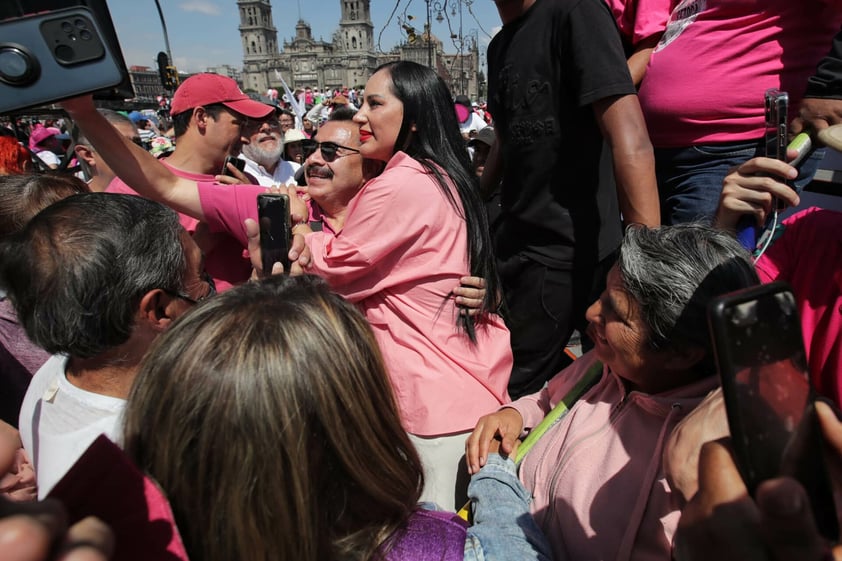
(275, 230)
(760, 356)
(52, 56)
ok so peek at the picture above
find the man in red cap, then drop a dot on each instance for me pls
(208, 112)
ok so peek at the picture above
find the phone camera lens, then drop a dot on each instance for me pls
(80, 23)
(64, 53)
(85, 35)
(17, 66)
(66, 27)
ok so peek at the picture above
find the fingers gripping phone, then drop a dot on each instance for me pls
(775, 432)
(239, 163)
(275, 230)
(54, 55)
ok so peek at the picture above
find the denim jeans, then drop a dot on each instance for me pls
(690, 179)
(503, 527)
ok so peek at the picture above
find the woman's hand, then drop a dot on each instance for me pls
(469, 295)
(752, 188)
(504, 425)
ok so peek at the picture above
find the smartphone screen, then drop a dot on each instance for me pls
(774, 429)
(275, 230)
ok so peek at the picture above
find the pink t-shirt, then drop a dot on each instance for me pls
(224, 258)
(809, 257)
(402, 250)
(640, 19)
(706, 79)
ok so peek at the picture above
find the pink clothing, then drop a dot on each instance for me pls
(809, 257)
(640, 19)
(402, 250)
(597, 481)
(224, 259)
(706, 79)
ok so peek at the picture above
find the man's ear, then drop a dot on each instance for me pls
(84, 152)
(201, 117)
(159, 309)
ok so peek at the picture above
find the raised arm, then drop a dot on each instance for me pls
(621, 122)
(134, 165)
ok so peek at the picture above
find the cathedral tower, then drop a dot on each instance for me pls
(355, 28)
(258, 33)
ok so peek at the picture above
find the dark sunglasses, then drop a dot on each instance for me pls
(329, 149)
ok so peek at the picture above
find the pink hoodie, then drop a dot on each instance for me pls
(596, 477)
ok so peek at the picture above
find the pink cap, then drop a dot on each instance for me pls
(462, 112)
(207, 89)
(40, 134)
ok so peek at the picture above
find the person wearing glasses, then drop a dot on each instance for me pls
(408, 238)
(208, 113)
(94, 278)
(264, 153)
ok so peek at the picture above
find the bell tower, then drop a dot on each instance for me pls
(355, 28)
(258, 33)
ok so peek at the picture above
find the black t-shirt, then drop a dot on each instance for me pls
(545, 69)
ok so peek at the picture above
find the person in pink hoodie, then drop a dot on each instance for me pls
(596, 477)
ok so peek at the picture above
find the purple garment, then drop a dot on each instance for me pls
(20, 358)
(430, 536)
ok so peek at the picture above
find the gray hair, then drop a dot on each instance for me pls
(79, 137)
(674, 271)
(77, 272)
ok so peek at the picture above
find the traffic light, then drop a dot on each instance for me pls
(163, 63)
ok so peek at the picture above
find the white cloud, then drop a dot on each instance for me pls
(201, 6)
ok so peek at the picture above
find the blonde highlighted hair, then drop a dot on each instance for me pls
(267, 417)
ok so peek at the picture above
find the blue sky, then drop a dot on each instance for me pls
(204, 32)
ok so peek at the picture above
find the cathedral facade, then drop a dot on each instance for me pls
(346, 61)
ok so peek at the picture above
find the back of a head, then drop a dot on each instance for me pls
(254, 413)
(674, 271)
(22, 196)
(77, 271)
(14, 158)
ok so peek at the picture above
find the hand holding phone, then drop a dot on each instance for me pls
(238, 163)
(275, 230)
(760, 356)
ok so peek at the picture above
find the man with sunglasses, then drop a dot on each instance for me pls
(263, 152)
(124, 271)
(209, 112)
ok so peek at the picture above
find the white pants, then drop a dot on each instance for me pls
(445, 474)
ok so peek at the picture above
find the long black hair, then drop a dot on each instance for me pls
(437, 144)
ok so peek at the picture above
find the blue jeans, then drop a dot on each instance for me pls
(690, 179)
(503, 527)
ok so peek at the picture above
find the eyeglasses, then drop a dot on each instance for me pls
(187, 298)
(329, 149)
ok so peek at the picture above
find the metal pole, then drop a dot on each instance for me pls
(429, 42)
(164, 27)
(461, 51)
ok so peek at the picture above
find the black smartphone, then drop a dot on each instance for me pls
(771, 407)
(275, 230)
(777, 108)
(50, 56)
(239, 163)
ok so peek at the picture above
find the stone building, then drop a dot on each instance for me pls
(347, 60)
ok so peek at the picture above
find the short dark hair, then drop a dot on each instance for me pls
(24, 195)
(181, 121)
(77, 272)
(342, 113)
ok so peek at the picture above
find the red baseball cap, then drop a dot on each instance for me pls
(206, 89)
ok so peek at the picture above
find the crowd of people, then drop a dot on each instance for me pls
(442, 253)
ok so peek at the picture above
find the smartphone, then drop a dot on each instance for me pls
(775, 432)
(777, 109)
(275, 230)
(239, 163)
(50, 56)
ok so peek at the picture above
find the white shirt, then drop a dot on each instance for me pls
(475, 123)
(58, 421)
(284, 172)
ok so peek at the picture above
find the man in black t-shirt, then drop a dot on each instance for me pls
(558, 86)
